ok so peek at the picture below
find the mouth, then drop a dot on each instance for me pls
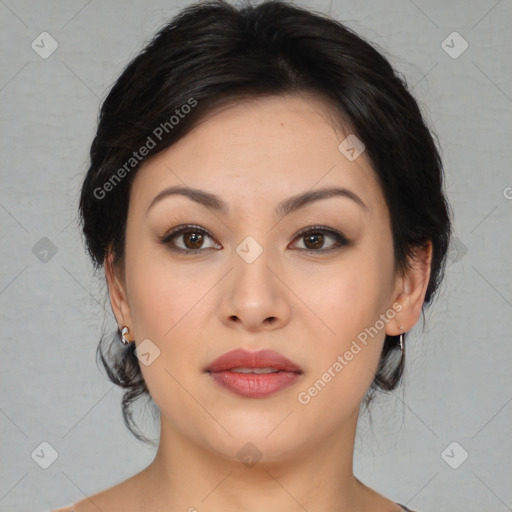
(254, 374)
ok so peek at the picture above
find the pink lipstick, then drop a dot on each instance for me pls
(254, 374)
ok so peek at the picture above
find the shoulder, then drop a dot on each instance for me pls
(109, 499)
(125, 496)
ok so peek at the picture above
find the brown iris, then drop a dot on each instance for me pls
(317, 240)
(196, 239)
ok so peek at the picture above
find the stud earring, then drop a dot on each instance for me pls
(124, 332)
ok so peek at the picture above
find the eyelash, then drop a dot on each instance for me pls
(340, 239)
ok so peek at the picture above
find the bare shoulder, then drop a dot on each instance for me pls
(127, 496)
(376, 501)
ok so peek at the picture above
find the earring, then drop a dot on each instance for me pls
(401, 339)
(124, 332)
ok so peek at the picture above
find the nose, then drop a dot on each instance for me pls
(254, 296)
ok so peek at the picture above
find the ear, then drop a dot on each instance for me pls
(117, 292)
(411, 289)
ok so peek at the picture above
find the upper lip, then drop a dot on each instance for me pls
(242, 358)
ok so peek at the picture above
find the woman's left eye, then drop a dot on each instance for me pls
(315, 237)
(193, 238)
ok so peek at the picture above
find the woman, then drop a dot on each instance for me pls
(268, 205)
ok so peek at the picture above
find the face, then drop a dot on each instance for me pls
(307, 280)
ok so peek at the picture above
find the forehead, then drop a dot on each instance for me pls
(262, 148)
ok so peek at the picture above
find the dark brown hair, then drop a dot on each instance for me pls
(213, 53)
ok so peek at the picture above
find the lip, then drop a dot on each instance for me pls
(253, 385)
(261, 359)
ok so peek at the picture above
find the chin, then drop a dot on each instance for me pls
(262, 439)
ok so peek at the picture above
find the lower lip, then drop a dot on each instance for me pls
(252, 385)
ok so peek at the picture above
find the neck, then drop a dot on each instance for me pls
(186, 475)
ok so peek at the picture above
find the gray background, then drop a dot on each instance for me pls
(54, 309)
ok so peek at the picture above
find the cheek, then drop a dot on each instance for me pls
(160, 293)
(348, 296)
(344, 361)
(349, 300)
(168, 306)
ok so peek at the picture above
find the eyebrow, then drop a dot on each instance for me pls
(285, 207)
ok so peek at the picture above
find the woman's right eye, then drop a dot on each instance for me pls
(191, 237)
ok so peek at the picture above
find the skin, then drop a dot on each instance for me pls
(307, 306)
